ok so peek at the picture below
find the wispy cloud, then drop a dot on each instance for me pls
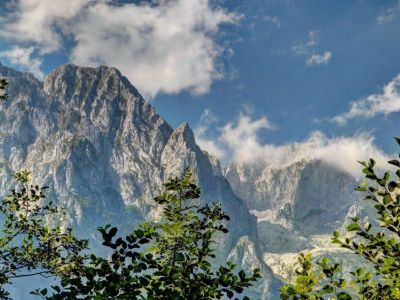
(274, 20)
(208, 120)
(165, 46)
(23, 57)
(389, 14)
(384, 103)
(307, 47)
(313, 58)
(319, 59)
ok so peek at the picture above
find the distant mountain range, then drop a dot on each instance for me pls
(104, 152)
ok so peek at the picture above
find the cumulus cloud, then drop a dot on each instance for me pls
(384, 103)
(236, 139)
(241, 137)
(319, 59)
(239, 141)
(23, 58)
(39, 22)
(165, 46)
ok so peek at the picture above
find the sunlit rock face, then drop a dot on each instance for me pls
(298, 205)
(309, 196)
(104, 152)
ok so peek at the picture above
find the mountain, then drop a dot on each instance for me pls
(104, 153)
(307, 195)
(298, 204)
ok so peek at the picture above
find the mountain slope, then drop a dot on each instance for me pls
(298, 204)
(104, 152)
(310, 196)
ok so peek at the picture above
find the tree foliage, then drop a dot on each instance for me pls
(378, 245)
(3, 85)
(28, 247)
(166, 260)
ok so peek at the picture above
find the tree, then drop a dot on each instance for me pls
(3, 85)
(166, 260)
(378, 245)
(28, 247)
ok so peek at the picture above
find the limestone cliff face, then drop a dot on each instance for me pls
(309, 196)
(104, 152)
(298, 205)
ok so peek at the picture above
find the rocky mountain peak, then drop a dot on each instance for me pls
(104, 152)
(20, 84)
(308, 194)
(71, 83)
(185, 134)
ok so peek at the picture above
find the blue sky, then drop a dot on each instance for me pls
(291, 66)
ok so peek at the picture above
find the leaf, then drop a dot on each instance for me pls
(353, 227)
(387, 199)
(43, 292)
(343, 296)
(394, 162)
(112, 232)
(392, 186)
(363, 163)
(367, 226)
(372, 162)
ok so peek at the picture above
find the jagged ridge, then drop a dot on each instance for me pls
(104, 152)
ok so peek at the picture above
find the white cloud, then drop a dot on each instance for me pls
(274, 20)
(239, 141)
(236, 139)
(207, 120)
(319, 59)
(23, 57)
(39, 22)
(342, 152)
(241, 137)
(389, 14)
(308, 49)
(166, 47)
(384, 103)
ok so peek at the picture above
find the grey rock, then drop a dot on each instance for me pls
(104, 153)
(309, 196)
